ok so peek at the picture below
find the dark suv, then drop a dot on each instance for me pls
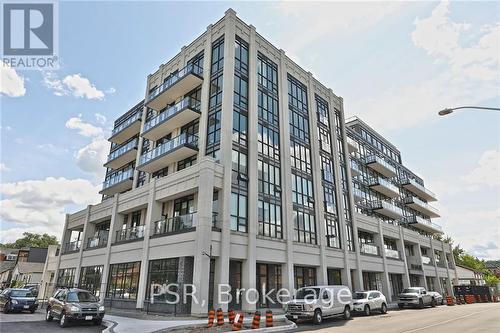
(18, 299)
(73, 304)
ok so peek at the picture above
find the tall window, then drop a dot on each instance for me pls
(304, 226)
(215, 98)
(238, 212)
(123, 280)
(268, 142)
(161, 272)
(269, 179)
(302, 191)
(332, 232)
(90, 279)
(239, 175)
(66, 277)
(304, 276)
(270, 219)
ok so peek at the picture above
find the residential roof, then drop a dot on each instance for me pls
(30, 267)
(6, 266)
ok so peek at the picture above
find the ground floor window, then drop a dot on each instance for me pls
(161, 273)
(334, 276)
(235, 273)
(123, 280)
(396, 281)
(304, 276)
(90, 279)
(66, 277)
(430, 283)
(372, 281)
(414, 280)
(268, 279)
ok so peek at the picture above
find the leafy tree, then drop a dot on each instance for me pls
(32, 240)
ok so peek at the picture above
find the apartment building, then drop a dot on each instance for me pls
(237, 169)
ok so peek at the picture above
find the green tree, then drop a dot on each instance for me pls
(32, 240)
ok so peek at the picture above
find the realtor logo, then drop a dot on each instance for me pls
(28, 29)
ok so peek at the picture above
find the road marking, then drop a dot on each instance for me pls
(444, 322)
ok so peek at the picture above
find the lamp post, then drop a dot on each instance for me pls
(447, 111)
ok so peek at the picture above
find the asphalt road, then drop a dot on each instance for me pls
(27, 322)
(482, 317)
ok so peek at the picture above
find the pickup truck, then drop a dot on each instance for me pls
(415, 296)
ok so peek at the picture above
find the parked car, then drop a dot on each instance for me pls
(437, 296)
(73, 304)
(34, 287)
(18, 299)
(368, 301)
(318, 302)
(415, 296)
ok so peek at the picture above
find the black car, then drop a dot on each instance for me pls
(73, 304)
(18, 299)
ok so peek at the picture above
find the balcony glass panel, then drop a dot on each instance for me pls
(130, 234)
(189, 69)
(169, 146)
(426, 260)
(375, 159)
(126, 123)
(420, 187)
(72, 246)
(379, 204)
(424, 205)
(187, 102)
(369, 249)
(118, 178)
(418, 220)
(98, 241)
(394, 254)
(174, 224)
(122, 150)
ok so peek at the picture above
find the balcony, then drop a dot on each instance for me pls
(355, 171)
(387, 209)
(118, 183)
(380, 165)
(441, 264)
(127, 129)
(421, 206)
(423, 224)
(175, 86)
(392, 254)
(358, 194)
(426, 260)
(420, 190)
(352, 146)
(175, 116)
(415, 267)
(176, 149)
(369, 249)
(130, 234)
(383, 186)
(72, 247)
(174, 224)
(122, 156)
(98, 241)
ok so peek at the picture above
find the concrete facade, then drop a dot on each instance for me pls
(185, 182)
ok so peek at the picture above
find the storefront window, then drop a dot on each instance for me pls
(123, 280)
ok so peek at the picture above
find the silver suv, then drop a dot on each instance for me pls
(74, 304)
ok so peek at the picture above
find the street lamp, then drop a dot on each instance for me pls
(446, 111)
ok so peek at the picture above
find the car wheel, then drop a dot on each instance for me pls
(433, 303)
(98, 322)
(366, 310)
(318, 317)
(32, 311)
(63, 321)
(442, 301)
(347, 313)
(48, 315)
(383, 308)
(6, 308)
(421, 303)
(401, 305)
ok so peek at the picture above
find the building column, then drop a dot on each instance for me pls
(82, 244)
(386, 289)
(153, 213)
(449, 286)
(61, 249)
(406, 275)
(203, 241)
(226, 145)
(286, 181)
(455, 277)
(249, 274)
(322, 276)
(205, 94)
(419, 253)
(113, 227)
(439, 285)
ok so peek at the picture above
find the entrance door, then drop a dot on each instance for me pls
(235, 283)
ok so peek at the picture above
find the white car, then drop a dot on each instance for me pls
(368, 301)
(437, 297)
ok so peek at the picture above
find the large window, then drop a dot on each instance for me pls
(240, 128)
(240, 91)
(90, 279)
(332, 232)
(269, 179)
(302, 191)
(304, 276)
(297, 94)
(305, 227)
(299, 126)
(267, 74)
(268, 142)
(300, 157)
(161, 272)
(322, 111)
(217, 55)
(270, 219)
(268, 108)
(239, 169)
(123, 280)
(238, 212)
(66, 277)
(330, 204)
(241, 55)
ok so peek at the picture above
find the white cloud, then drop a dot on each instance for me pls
(4, 168)
(92, 157)
(83, 128)
(467, 74)
(74, 84)
(101, 119)
(488, 170)
(11, 83)
(40, 205)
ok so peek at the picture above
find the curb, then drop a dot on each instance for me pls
(289, 326)
(109, 326)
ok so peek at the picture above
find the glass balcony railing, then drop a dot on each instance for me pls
(380, 204)
(369, 249)
(72, 246)
(383, 182)
(122, 150)
(378, 160)
(187, 102)
(134, 233)
(394, 254)
(414, 219)
(426, 260)
(424, 205)
(126, 123)
(169, 146)
(174, 224)
(98, 241)
(189, 69)
(420, 187)
(440, 263)
(355, 170)
(358, 193)
(118, 178)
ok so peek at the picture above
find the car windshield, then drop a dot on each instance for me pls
(81, 296)
(21, 293)
(307, 293)
(411, 291)
(360, 295)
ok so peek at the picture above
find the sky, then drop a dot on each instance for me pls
(394, 63)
